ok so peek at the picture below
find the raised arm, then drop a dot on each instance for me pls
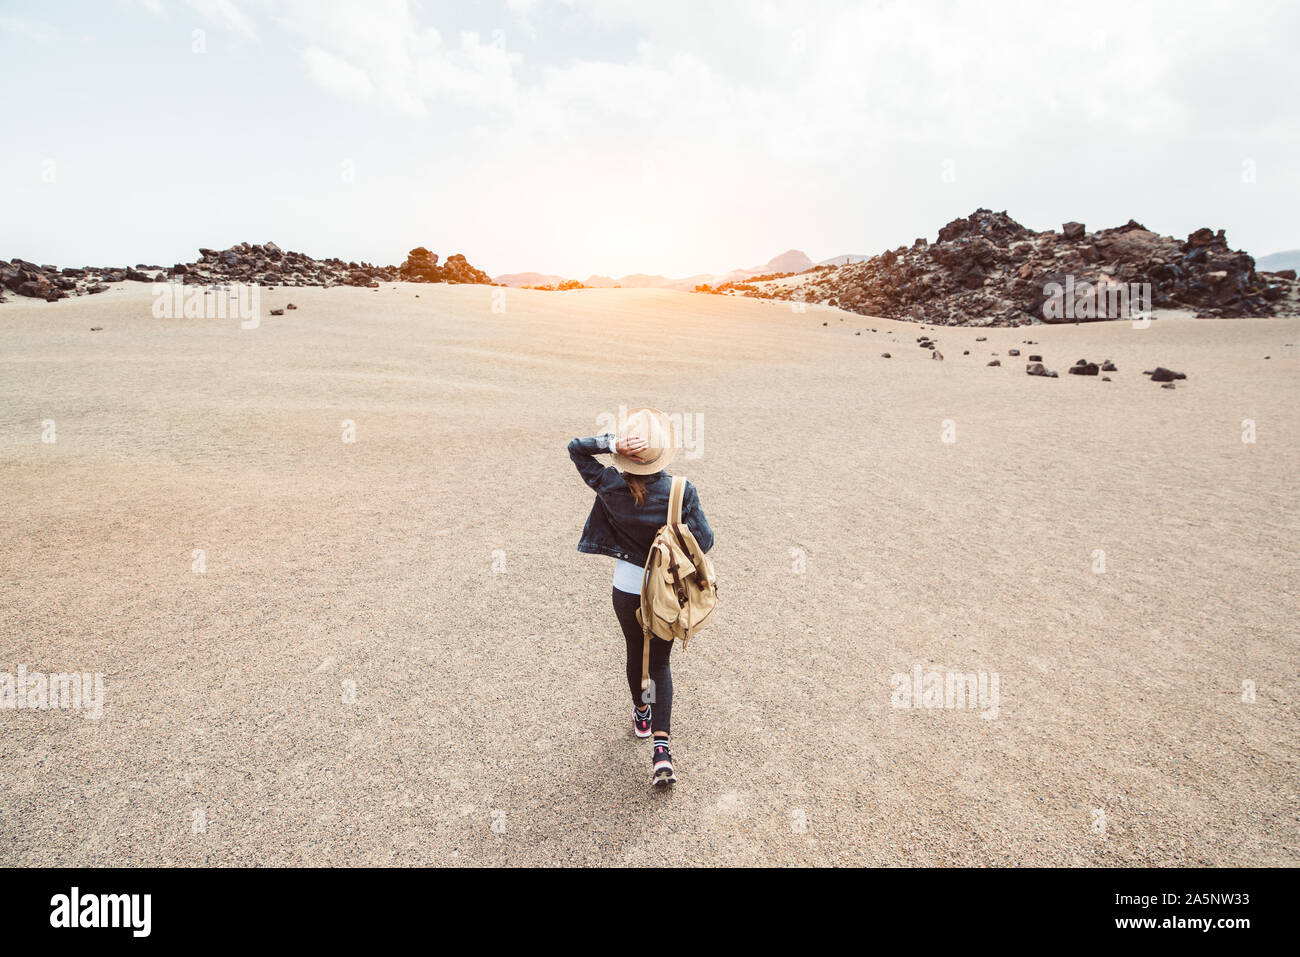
(583, 452)
(693, 515)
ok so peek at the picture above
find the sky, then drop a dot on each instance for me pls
(580, 137)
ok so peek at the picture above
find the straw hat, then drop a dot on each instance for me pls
(657, 429)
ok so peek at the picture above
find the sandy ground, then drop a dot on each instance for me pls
(350, 682)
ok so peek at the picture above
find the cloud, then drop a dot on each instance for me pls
(380, 48)
(337, 76)
(832, 120)
(22, 27)
(226, 14)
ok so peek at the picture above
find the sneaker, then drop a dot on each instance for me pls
(641, 722)
(662, 773)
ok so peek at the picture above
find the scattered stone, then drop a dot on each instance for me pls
(996, 362)
(1161, 374)
(1035, 358)
(291, 306)
(1013, 352)
(885, 355)
(1084, 368)
(1036, 368)
(1108, 366)
(96, 328)
(936, 355)
(277, 312)
(1168, 385)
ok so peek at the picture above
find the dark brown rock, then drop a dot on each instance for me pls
(1161, 374)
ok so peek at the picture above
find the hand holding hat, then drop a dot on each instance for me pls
(647, 442)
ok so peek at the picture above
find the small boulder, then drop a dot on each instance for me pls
(996, 362)
(1161, 374)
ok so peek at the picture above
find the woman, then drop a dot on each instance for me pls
(630, 507)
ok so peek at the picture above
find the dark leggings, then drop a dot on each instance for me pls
(661, 679)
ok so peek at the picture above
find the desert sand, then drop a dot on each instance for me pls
(349, 681)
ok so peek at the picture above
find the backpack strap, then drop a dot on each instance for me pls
(675, 496)
(645, 658)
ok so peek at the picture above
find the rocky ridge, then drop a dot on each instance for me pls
(989, 270)
(266, 264)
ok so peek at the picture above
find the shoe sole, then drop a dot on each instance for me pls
(662, 777)
(640, 735)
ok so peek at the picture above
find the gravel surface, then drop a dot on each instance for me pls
(393, 652)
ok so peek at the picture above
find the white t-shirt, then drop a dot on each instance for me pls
(628, 577)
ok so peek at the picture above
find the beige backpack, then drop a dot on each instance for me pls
(679, 590)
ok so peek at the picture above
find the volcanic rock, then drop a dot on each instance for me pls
(988, 270)
(1161, 374)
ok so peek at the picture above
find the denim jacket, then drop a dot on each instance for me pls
(619, 527)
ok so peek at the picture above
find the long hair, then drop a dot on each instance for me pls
(635, 485)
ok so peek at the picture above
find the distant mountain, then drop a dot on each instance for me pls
(843, 260)
(1290, 259)
(527, 279)
(639, 280)
(792, 260)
